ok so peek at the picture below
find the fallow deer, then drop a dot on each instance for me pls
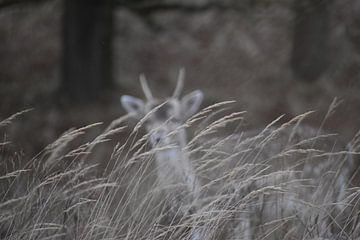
(163, 122)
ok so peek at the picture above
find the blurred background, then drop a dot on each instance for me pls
(71, 60)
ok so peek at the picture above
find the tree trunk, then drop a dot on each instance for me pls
(87, 34)
(353, 25)
(310, 53)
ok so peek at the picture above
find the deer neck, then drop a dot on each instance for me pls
(175, 168)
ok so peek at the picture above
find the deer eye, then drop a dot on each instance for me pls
(152, 106)
(175, 119)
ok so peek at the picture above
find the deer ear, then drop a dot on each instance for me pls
(190, 103)
(134, 106)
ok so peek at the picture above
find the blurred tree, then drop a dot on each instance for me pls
(10, 3)
(310, 53)
(87, 34)
(353, 25)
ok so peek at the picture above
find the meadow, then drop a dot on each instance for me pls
(254, 184)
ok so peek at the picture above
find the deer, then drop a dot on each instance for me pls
(164, 119)
(267, 161)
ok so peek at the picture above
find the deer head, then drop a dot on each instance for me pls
(164, 117)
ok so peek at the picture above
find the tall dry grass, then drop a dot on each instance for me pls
(284, 182)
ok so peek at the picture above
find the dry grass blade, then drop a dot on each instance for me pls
(147, 116)
(282, 127)
(10, 119)
(8, 203)
(14, 174)
(273, 183)
(222, 122)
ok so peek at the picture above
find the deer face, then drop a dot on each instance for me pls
(164, 117)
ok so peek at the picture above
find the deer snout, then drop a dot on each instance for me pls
(157, 139)
(158, 136)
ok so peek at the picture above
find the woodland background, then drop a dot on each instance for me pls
(71, 60)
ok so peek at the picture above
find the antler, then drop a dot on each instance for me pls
(145, 87)
(180, 83)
